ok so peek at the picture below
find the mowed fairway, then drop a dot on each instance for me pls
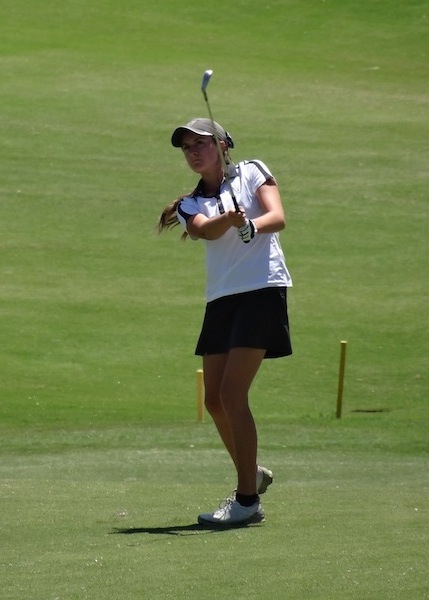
(104, 468)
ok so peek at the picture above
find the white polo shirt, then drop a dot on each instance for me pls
(232, 266)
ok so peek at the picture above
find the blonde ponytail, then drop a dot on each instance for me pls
(168, 218)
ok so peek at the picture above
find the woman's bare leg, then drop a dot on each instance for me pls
(240, 370)
(228, 378)
(213, 367)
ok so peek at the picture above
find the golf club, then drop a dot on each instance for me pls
(206, 78)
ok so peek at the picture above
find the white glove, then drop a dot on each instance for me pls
(247, 232)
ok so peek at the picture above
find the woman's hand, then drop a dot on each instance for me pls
(237, 219)
(202, 227)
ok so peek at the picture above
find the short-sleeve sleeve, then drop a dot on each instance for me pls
(187, 207)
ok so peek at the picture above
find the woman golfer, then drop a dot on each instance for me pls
(246, 314)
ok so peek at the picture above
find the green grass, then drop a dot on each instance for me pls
(119, 520)
(99, 315)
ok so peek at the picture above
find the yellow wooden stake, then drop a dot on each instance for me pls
(343, 345)
(200, 395)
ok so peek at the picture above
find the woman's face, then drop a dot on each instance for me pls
(201, 153)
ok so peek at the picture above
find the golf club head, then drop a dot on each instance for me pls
(206, 78)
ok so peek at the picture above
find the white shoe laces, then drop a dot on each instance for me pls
(226, 503)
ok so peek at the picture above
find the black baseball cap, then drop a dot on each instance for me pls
(201, 126)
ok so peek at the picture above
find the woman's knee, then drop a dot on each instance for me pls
(234, 401)
(213, 404)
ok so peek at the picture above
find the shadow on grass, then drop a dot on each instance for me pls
(192, 529)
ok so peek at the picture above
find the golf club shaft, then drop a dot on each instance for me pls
(206, 79)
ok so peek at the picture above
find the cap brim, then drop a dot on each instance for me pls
(176, 138)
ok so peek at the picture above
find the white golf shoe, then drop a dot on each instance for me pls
(233, 514)
(264, 478)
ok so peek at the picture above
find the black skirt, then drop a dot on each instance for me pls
(256, 319)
